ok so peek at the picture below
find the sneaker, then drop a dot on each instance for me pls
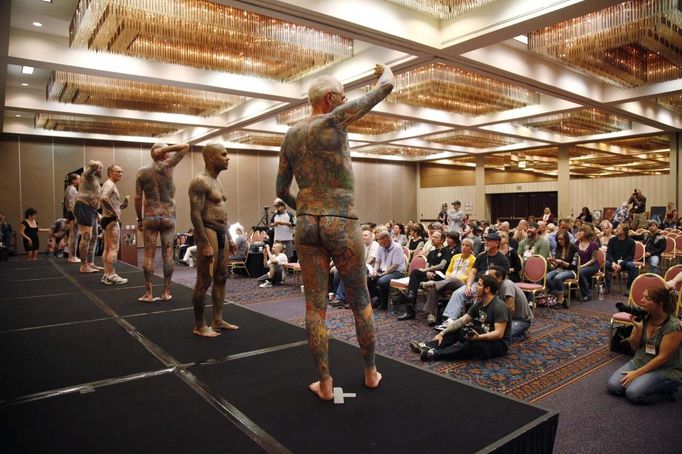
(418, 347)
(428, 355)
(105, 280)
(118, 280)
(442, 326)
(266, 284)
(431, 320)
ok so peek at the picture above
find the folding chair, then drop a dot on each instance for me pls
(535, 277)
(639, 285)
(237, 264)
(573, 283)
(401, 284)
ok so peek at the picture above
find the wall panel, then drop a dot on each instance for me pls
(36, 188)
(10, 199)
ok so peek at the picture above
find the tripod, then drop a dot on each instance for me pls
(264, 223)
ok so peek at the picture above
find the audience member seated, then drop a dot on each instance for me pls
(398, 235)
(655, 372)
(5, 232)
(654, 245)
(390, 264)
(427, 245)
(515, 265)
(483, 332)
(534, 244)
(436, 262)
(519, 233)
(239, 237)
(619, 255)
(605, 234)
(190, 256)
(585, 216)
(670, 215)
(562, 266)
(587, 247)
(415, 239)
(517, 303)
(456, 275)
(491, 256)
(565, 225)
(576, 226)
(183, 241)
(275, 258)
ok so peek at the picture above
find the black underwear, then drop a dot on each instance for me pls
(105, 221)
(220, 234)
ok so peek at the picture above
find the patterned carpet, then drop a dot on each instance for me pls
(564, 345)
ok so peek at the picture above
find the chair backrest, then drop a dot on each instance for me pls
(678, 244)
(669, 245)
(639, 251)
(535, 268)
(641, 283)
(671, 273)
(417, 262)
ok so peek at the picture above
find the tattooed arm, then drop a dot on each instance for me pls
(352, 110)
(285, 175)
(197, 200)
(180, 150)
(138, 199)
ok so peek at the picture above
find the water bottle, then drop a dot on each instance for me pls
(601, 292)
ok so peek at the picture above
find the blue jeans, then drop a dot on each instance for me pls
(382, 286)
(585, 278)
(649, 388)
(556, 278)
(456, 304)
(627, 266)
(341, 291)
(653, 264)
(518, 328)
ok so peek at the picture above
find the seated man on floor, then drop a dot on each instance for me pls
(516, 301)
(275, 259)
(483, 332)
(436, 261)
(456, 275)
(491, 256)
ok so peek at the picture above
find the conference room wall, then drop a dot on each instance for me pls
(34, 168)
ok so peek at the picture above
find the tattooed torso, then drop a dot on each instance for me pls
(90, 189)
(157, 184)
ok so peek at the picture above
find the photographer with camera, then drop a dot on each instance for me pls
(638, 210)
(483, 332)
(655, 372)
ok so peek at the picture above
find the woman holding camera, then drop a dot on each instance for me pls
(563, 266)
(655, 372)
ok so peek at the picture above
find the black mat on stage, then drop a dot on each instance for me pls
(140, 416)
(123, 299)
(33, 274)
(49, 358)
(93, 281)
(172, 331)
(9, 289)
(413, 410)
(47, 310)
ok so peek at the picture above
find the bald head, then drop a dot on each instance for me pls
(321, 86)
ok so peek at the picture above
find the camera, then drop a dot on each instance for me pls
(637, 312)
(469, 330)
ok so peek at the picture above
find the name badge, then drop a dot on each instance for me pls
(650, 349)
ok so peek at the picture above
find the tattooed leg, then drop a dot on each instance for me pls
(150, 236)
(86, 238)
(219, 279)
(167, 238)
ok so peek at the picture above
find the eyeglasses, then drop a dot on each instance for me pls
(343, 97)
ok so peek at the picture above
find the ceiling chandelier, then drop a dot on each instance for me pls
(449, 88)
(256, 138)
(370, 124)
(394, 150)
(673, 102)
(100, 91)
(472, 139)
(579, 123)
(631, 44)
(94, 125)
(206, 35)
(443, 9)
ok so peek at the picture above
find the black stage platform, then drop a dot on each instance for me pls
(88, 368)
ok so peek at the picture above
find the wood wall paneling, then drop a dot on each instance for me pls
(36, 178)
(10, 200)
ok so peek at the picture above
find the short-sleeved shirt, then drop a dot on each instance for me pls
(436, 256)
(484, 262)
(387, 257)
(371, 251)
(521, 307)
(495, 312)
(283, 232)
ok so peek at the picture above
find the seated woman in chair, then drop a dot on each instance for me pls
(655, 372)
(563, 266)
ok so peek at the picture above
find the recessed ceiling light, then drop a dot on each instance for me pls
(27, 70)
(46, 1)
(17, 115)
(37, 24)
(24, 84)
(522, 164)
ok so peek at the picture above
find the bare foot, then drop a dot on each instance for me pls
(205, 331)
(166, 297)
(95, 267)
(323, 389)
(74, 260)
(372, 379)
(86, 269)
(147, 298)
(222, 324)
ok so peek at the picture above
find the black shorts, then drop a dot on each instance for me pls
(85, 214)
(70, 216)
(106, 220)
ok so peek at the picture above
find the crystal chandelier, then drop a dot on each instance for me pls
(206, 35)
(443, 9)
(256, 138)
(394, 150)
(472, 139)
(93, 125)
(673, 102)
(631, 44)
(370, 124)
(100, 91)
(579, 123)
(449, 88)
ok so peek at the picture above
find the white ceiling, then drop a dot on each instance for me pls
(384, 32)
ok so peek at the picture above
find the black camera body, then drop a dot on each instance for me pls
(469, 330)
(637, 312)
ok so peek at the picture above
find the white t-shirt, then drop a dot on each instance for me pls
(281, 258)
(283, 232)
